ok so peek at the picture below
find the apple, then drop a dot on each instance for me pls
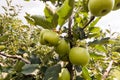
(79, 56)
(116, 5)
(63, 49)
(50, 38)
(64, 74)
(100, 7)
(41, 36)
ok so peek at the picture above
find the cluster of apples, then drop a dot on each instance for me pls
(103, 7)
(76, 55)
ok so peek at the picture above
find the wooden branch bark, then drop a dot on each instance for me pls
(15, 57)
(106, 73)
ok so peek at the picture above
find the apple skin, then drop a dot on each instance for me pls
(79, 56)
(64, 75)
(100, 7)
(41, 36)
(63, 49)
(116, 5)
(50, 38)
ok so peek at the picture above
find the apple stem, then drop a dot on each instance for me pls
(91, 19)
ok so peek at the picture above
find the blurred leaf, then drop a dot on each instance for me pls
(2, 47)
(101, 42)
(26, 0)
(94, 29)
(94, 32)
(51, 16)
(34, 59)
(29, 20)
(41, 21)
(4, 38)
(85, 73)
(29, 69)
(116, 48)
(100, 48)
(5, 8)
(115, 74)
(1, 29)
(18, 66)
(96, 56)
(52, 72)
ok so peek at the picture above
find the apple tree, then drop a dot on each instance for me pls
(64, 44)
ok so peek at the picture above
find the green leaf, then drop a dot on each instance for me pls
(65, 11)
(94, 32)
(100, 48)
(96, 56)
(4, 38)
(29, 20)
(95, 22)
(52, 72)
(41, 21)
(85, 73)
(51, 16)
(94, 29)
(1, 29)
(2, 47)
(18, 66)
(29, 69)
(115, 74)
(101, 42)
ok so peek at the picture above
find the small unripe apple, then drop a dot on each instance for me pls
(79, 56)
(51, 38)
(63, 49)
(100, 7)
(64, 74)
(41, 36)
(116, 5)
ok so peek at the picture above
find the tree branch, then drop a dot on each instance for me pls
(105, 74)
(15, 57)
(69, 27)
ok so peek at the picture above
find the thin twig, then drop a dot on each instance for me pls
(91, 19)
(106, 73)
(15, 57)
(69, 27)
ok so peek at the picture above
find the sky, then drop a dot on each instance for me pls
(110, 21)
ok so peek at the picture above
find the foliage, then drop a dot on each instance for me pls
(23, 57)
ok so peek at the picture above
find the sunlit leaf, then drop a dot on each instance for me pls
(51, 16)
(85, 73)
(97, 56)
(95, 22)
(65, 11)
(101, 48)
(41, 21)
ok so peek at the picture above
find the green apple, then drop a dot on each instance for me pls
(63, 48)
(64, 74)
(50, 38)
(41, 36)
(79, 56)
(100, 7)
(116, 5)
